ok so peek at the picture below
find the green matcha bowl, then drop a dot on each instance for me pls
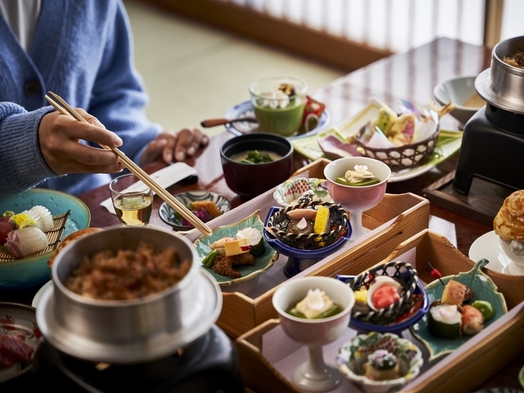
(278, 112)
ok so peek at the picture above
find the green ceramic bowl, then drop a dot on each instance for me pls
(28, 272)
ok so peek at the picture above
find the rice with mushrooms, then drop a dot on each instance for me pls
(127, 274)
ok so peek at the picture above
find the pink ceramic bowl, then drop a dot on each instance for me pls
(313, 331)
(357, 198)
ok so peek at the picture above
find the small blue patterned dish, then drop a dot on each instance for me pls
(167, 214)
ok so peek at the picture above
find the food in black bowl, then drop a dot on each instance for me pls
(255, 163)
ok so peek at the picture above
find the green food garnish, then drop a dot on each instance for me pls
(256, 157)
(366, 182)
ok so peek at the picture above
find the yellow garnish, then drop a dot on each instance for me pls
(361, 296)
(22, 220)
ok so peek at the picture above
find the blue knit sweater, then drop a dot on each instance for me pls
(82, 51)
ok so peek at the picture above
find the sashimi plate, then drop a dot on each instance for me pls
(483, 288)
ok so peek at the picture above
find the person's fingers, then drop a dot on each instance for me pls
(92, 131)
(189, 142)
(60, 144)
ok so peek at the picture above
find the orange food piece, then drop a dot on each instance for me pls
(210, 207)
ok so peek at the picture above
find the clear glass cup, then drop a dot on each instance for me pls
(277, 113)
(132, 200)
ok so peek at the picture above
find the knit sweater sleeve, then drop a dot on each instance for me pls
(21, 161)
(119, 97)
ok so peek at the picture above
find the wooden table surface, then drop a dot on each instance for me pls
(410, 76)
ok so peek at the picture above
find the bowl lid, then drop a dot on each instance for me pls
(208, 304)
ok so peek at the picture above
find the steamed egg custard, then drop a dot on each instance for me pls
(316, 305)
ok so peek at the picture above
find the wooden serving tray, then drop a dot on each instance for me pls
(267, 357)
(481, 204)
(395, 219)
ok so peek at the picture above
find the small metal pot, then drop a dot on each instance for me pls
(127, 331)
(502, 85)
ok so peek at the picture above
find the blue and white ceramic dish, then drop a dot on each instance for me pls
(394, 327)
(167, 214)
(300, 259)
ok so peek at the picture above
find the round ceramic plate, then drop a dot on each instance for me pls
(483, 288)
(167, 214)
(262, 263)
(245, 109)
(33, 270)
(488, 246)
(288, 192)
(18, 320)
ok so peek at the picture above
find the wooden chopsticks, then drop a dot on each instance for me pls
(64, 108)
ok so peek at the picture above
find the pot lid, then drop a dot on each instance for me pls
(208, 303)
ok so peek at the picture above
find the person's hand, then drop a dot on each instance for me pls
(173, 146)
(59, 137)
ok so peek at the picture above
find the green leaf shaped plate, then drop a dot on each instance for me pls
(483, 288)
(448, 142)
(262, 263)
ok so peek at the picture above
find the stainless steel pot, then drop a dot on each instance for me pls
(502, 85)
(127, 331)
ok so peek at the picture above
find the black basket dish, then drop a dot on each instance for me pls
(405, 274)
(278, 225)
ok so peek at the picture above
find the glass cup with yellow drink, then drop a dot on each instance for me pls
(132, 200)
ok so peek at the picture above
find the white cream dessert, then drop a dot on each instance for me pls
(274, 99)
(315, 305)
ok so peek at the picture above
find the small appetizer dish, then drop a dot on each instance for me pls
(19, 339)
(302, 190)
(460, 307)
(306, 233)
(379, 362)
(32, 225)
(237, 254)
(314, 311)
(205, 205)
(389, 298)
(401, 140)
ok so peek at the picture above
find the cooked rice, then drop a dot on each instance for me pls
(128, 274)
